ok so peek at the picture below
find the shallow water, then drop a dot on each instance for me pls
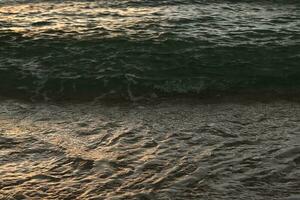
(159, 149)
(170, 150)
(62, 49)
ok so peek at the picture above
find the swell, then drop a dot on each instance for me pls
(126, 49)
(69, 67)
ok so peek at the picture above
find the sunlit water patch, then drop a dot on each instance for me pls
(171, 150)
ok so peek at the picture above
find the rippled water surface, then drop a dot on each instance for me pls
(160, 148)
(59, 49)
(170, 150)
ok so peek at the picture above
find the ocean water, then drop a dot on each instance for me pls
(144, 48)
(220, 148)
(164, 151)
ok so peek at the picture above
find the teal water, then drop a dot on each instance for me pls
(75, 49)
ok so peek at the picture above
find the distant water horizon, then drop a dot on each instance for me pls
(74, 49)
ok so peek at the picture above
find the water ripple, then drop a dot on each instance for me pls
(162, 151)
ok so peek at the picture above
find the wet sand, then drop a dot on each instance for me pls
(165, 150)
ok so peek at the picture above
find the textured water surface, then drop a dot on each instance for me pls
(162, 149)
(60, 49)
(169, 150)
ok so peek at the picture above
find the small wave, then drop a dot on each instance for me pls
(55, 50)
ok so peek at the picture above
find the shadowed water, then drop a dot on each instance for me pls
(67, 49)
(171, 150)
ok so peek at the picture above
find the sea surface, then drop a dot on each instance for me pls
(178, 150)
(53, 50)
(65, 57)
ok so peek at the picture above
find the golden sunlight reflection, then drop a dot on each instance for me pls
(52, 136)
(45, 18)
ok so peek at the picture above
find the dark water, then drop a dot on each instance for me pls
(167, 151)
(78, 49)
